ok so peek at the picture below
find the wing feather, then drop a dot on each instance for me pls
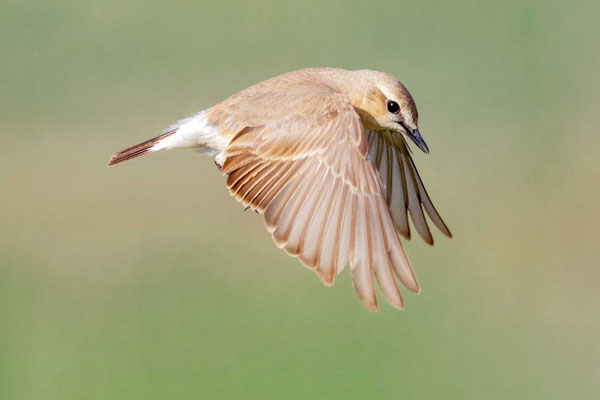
(404, 190)
(323, 200)
(314, 234)
(414, 204)
(328, 241)
(381, 261)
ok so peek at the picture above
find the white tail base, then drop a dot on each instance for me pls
(193, 132)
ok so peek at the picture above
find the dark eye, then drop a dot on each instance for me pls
(393, 107)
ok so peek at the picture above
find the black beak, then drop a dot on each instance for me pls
(416, 137)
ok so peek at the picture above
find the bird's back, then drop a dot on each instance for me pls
(275, 99)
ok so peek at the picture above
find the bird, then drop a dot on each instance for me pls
(322, 154)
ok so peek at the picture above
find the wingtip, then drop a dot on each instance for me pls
(326, 279)
(370, 304)
(398, 305)
(416, 289)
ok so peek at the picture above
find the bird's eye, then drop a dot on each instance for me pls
(393, 107)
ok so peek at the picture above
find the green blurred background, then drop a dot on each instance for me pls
(148, 281)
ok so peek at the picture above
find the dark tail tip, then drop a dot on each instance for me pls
(137, 150)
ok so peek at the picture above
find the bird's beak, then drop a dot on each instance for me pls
(416, 137)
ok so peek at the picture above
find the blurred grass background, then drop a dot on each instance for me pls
(148, 281)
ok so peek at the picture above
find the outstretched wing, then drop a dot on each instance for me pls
(321, 197)
(402, 186)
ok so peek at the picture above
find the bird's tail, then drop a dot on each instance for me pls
(192, 132)
(138, 149)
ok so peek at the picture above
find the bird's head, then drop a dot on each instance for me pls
(384, 103)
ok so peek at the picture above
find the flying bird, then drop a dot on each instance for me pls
(322, 154)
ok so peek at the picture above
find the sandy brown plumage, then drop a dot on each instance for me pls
(316, 152)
